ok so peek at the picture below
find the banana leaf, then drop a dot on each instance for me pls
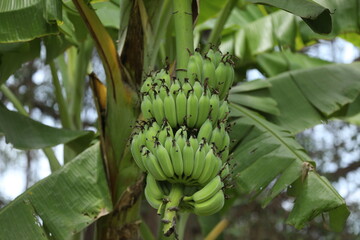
(26, 133)
(62, 204)
(24, 20)
(317, 17)
(265, 152)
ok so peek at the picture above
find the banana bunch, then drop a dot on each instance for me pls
(213, 70)
(183, 141)
(180, 157)
(181, 103)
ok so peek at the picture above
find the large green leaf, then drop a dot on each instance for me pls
(12, 55)
(278, 28)
(62, 204)
(24, 20)
(275, 63)
(316, 16)
(345, 19)
(352, 114)
(73, 26)
(25, 133)
(307, 97)
(209, 9)
(248, 97)
(109, 13)
(265, 152)
(314, 196)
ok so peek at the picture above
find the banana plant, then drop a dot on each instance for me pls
(99, 190)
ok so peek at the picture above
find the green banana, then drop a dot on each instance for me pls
(152, 93)
(217, 138)
(156, 78)
(217, 58)
(177, 159)
(155, 203)
(193, 70)
(142, 138)
(210, 164)
(146, 85)
(174, 88)
(164, 160)
(199, 162)
(153, 187)
(167, 78)
(163, 90)
(192, 109)
(218, 167)
(211, 55)
(152, 165)
(170, 110)
(151, 136)
(204, 109)
(224, 111)
(221, 75)
(146, 107)
(199, 61)
(158, 109)
(198, 89)
(225, 147)
(194, 143)
(181, 101)
(135, 148)
(163, 77)
(181, 132)
(188, 154)
(225, 154)
(206, 146)
(214, 108)
(162, 134)
(208, 191)
(205, 131)
(181, 139)
(186, 87)
(168, 142)
(225, 171)
(210, 206)
(209, 73)
(230, 75)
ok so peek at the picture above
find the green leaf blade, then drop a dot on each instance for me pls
(13, 55)
(317, 17)
(26, 20)
(265, 152)
(66, 201)
(315, 196)
(25, 133)
(308, 97)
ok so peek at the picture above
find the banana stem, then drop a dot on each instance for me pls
(13, 99)
(182, 224)
(174, 199)
(184, 34)
(64, 113)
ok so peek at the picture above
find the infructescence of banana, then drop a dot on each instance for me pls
(183, 141)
